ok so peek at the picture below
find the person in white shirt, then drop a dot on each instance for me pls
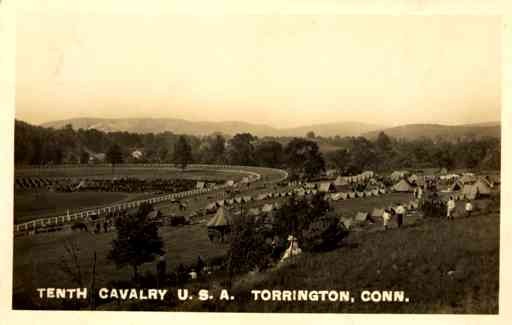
(469, 208)
(420, 192)
(386, 216)
(400, 211)
(450, 207)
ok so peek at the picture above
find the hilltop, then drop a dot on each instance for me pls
(179, 126)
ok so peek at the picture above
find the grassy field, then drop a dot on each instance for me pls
(37, 258)
(33, 205)
(442, 266)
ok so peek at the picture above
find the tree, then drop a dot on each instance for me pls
(213, 150)
(137, 240)
(84, 157)
(269, 153)
(362, 155)
(303, 157)
(383, 142)
(310, 221)
(247, 246)
(182, 152)
(339, 159)
(162, 154)
(310, 135)
(241, 150)
(218, 148)
(114, 155)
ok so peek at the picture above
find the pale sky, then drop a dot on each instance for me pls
(278, 70)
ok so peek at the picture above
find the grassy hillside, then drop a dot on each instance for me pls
(443, 267)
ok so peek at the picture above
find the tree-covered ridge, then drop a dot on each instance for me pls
(304, 157)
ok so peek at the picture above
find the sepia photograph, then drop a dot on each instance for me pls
(257, 163)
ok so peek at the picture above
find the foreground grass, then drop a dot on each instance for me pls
(443, 267)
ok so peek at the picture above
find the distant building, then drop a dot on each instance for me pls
(137, 154)
(97, 157)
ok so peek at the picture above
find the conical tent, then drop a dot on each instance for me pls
(254, 211)
(326, 187)
(211, 207)
(377, 212)
(220, 219)
(267, 208)
(261, 197)
(457, 186)
(336, 196)
(347, 222)
(470, 191)
(483, 186)
(468, 178)
(403, 186)
(361, 216)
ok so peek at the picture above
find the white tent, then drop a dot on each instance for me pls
(377, 212)
(326, 187)
(347, 222)
(341, 181)
(293, 249)
(361, 216)
(483, 186)
(261, 197)
(267, 208)
(403, 186)
(336, 196)
(220, 219)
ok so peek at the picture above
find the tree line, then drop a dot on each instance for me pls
(302, 157)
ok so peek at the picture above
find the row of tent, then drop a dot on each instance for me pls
(472, 190)
(361, 217)
(223, 217)
(32, 182)
(360, 178)
(353, 195)
(213, 206)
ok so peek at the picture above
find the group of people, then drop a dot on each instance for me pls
(451, 205)
(388, 213)
(134, 185)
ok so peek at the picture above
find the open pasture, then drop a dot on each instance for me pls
(34, 205)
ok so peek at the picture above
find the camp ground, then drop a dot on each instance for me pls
(207, 218)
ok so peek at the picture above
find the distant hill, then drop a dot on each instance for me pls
(179, 126)
(451, 132)
(332, 129)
